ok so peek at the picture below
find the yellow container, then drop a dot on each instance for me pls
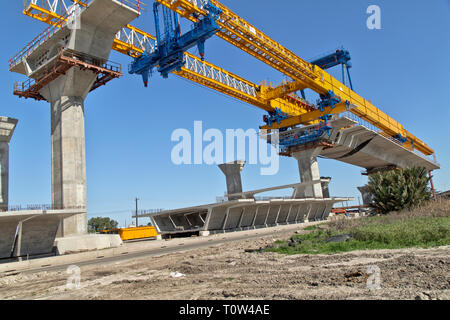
(137, 233)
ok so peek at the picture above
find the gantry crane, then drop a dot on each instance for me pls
(133, 42)
(286, 109)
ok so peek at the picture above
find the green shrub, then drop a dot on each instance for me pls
(398, 189)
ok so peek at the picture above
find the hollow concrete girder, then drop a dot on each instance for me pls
(8, 229)
(360, 146)
(261, 218)
(288, 214)
(233, 215)
(301, 212)
(273, 214)
(245, 213)
(37, 231)
(284, 212)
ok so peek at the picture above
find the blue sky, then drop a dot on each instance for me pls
(402, 68)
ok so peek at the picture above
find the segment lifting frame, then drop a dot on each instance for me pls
(133, 42)
(243, 35)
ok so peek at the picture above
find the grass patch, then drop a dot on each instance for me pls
(313, 227)
(425, 227)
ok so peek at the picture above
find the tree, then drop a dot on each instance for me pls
(398, 189)
(99, 224)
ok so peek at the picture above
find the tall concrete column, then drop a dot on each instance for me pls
(232, 171)
(94, 36)
(66, 95)
(69, 161)
(7, 127)
(309, 171)
(366, 196)
(65, 81)
(325, 187)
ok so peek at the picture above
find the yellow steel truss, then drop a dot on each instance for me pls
(243, 35)
(202, 72)
(130, 40)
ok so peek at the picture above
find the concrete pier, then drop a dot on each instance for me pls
(74, 58)
(366, 196)
(309, 171)
(7, 127)
(232, 172)
(69, 160)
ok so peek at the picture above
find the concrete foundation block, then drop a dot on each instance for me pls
(204, 233)
(87, 242)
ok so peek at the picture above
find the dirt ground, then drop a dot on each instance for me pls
(229, 271)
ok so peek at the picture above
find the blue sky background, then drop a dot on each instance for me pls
(403, 69)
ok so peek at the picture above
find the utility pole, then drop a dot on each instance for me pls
(137, 225)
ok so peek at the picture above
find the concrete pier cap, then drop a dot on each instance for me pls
(232, 172)
(7, 127)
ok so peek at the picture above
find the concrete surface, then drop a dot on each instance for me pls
(232, 172)
(133, 250)
(30, 232)
(69, 161)
(7, 127)
(365, 194)
(87, 242)
(309, 171)
(357, 145)
(242, 214)
(100, 22)
(298, 189)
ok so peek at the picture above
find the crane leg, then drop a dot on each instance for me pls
(349, 78)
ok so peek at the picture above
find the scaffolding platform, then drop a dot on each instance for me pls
(65, 60)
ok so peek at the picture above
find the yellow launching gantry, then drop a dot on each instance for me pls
(235, 30)
(243, 35)
(134, 42)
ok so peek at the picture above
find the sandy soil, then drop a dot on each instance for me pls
(228, 271)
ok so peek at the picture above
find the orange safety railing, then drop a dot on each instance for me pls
(136, 4)
(107, 70)
(35, 43)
